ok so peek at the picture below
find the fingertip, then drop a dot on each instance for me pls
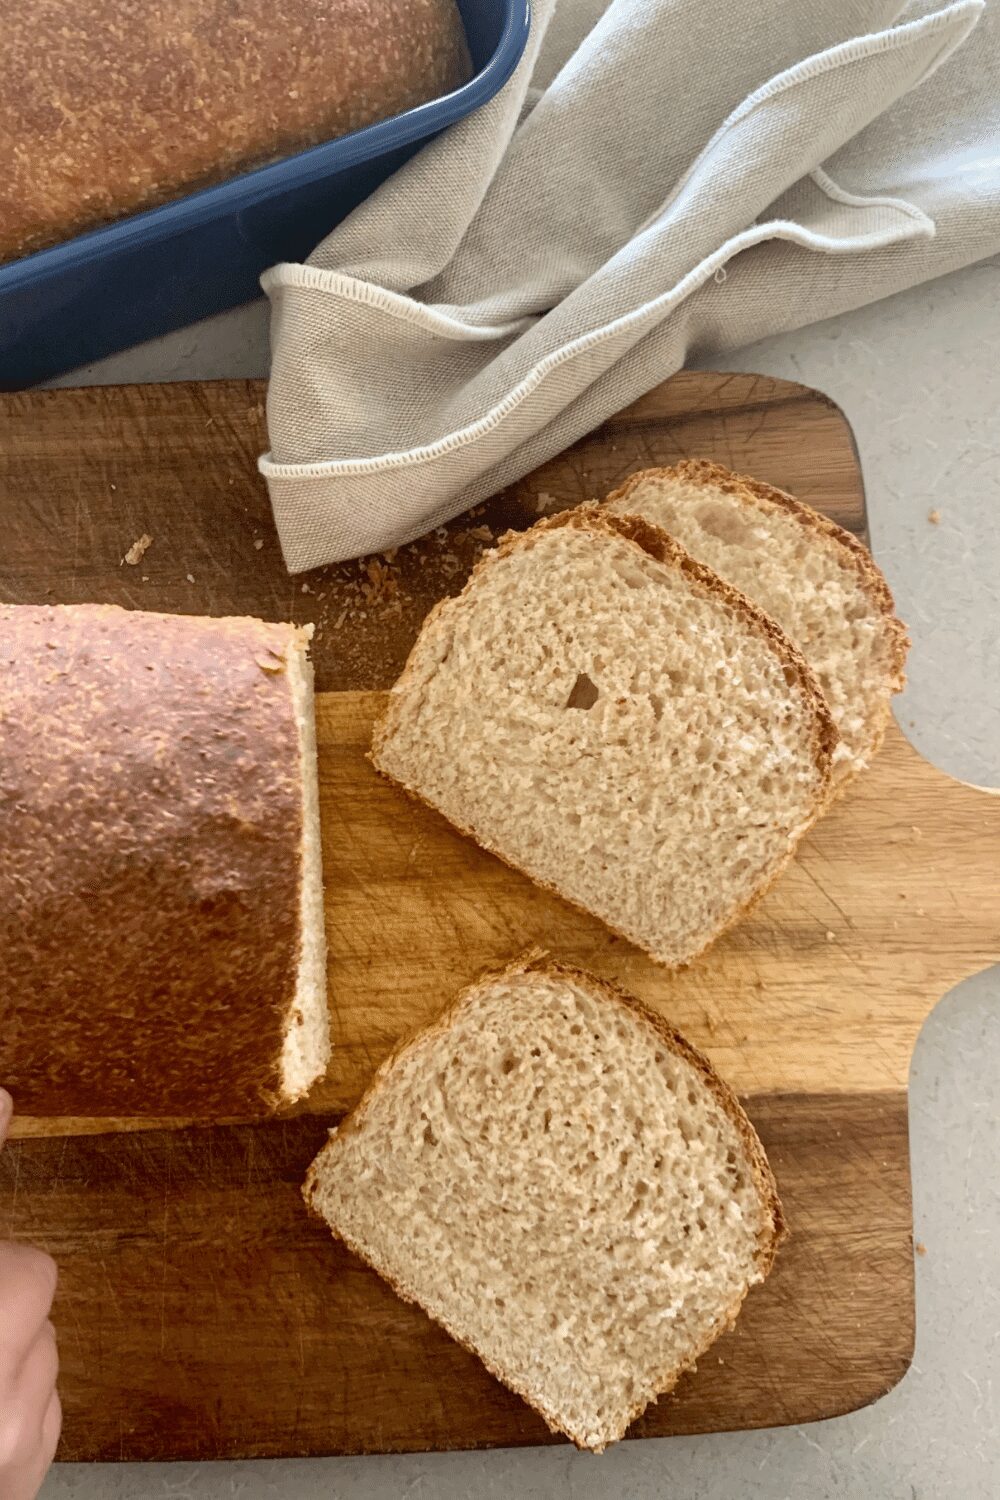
(49, 1274)
(52, 1425)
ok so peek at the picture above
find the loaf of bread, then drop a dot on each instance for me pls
(564, 1184)
(161, 908)
(611, 718)
(112, 106)
(816, 580)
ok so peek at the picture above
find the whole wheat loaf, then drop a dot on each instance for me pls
(609, 717)
(565, 1185)
(113, 106)
(161, 906)
(815, 579)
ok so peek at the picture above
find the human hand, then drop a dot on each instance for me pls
(30, 1414)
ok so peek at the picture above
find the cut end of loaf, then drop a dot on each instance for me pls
(306, 1047)
(820, 585)
(565, 1185)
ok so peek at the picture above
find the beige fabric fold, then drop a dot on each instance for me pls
(645, 186)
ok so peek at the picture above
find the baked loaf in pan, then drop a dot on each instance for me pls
(112, 106)
(161, 908)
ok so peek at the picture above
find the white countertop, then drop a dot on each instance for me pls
(918, 377)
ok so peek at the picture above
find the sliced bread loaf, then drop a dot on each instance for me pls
(815, 579)
(606, 715)
(565, 1185)
(162, 948)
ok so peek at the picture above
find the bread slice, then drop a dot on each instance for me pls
(564, 1184)
(609, 717)
(815, 579)
(162, 947)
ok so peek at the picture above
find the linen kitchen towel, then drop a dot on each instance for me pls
(659, 178)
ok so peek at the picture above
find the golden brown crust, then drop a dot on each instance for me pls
(664, 549)
(151, 823)
(112, 106)
(537, 961)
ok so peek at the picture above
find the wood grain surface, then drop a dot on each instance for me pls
(86, 473)
(201, 1314)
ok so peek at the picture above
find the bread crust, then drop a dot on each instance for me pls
(110, 107)
(656, 543)
(537, 961)
(702, 471)
(151, 827)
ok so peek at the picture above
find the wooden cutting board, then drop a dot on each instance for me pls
(201, 1314)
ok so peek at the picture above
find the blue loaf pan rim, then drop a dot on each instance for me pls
(198, 212)
(292, 171)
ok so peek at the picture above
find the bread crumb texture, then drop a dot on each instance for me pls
(565, 1185)
(627, 734)
(814, 579)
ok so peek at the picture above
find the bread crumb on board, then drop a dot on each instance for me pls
(259, 542)
(139, 547)
(380, 583)
(270, 660)
(393, 590)
(545, 502)
(920, 1248)
(934, 516)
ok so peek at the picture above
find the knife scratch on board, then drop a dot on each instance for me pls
(163, 1272)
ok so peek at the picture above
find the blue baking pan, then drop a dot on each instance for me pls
(158, 270)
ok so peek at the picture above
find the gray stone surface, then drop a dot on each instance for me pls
(918, 378)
